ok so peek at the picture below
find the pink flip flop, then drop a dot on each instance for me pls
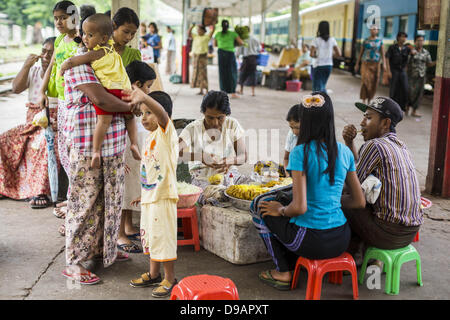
(92, 280)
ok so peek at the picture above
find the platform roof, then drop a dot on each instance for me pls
(234, 8)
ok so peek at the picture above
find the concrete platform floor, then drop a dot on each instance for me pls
(32, 254)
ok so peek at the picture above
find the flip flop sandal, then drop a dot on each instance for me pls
(76, 277)
(134, 236)
(277, 284)
(130, 248)
(146, 281)
(121, 257)
(41, 197)
(60, 212)
(164, 289)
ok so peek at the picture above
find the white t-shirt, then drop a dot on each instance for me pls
(324, 51)
(198, 140)
(171, 42)
(291, 141)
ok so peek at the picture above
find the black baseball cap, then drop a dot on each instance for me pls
(385, 106)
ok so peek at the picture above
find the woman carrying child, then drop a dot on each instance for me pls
(109, 69)
(312, 225)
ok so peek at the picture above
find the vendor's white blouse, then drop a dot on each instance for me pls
(198, 140)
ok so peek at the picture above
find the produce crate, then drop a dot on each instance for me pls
(276, 79)
(293, 85)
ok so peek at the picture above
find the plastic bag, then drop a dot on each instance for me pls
(40, 119)
(372, 188)
(147, 55)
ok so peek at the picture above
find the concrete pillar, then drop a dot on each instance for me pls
(293, 26)
(132, 4)
(186, 44)
(250, 16)
(262, 33)
(438, 177)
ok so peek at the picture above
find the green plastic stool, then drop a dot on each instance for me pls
(392, 262)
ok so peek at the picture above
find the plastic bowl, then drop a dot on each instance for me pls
(188, 200)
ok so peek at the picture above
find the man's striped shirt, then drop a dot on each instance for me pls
(388, 159)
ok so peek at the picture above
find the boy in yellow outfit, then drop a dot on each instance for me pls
(158, 190)
(109, 69)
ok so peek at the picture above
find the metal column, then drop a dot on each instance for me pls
(438, 177)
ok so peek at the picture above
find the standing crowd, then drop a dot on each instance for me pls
(94, 86)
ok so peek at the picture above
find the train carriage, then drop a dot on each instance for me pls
(395, 16)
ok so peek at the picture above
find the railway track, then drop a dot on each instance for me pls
(6, 84)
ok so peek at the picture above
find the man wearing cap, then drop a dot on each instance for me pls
(394, 219)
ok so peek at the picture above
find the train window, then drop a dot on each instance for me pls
(403, 24)
(389, 27)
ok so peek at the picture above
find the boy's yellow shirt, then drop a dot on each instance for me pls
(110, 70)
(159, 165)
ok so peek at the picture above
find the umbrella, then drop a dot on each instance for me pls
(52, 165)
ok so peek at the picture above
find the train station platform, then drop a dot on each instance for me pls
(32, 254)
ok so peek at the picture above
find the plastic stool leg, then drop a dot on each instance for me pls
(295, 276)
(194, 229)
(362, 273)
(354, 274)
(419, 271)
(317, 285)
(310, 284)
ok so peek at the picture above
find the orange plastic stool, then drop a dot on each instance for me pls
(205, 287)
(318, 268)
(190, 227)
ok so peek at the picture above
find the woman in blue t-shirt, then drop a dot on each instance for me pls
(312, 224)
(154, 40)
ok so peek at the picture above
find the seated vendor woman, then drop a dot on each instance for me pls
(313, 224)
(23, 149)
(214, 143)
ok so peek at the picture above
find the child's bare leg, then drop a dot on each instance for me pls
(103, 123)
(131, 126)
(154, 268)
(169, 271)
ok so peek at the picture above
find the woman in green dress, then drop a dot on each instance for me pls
(225, 41)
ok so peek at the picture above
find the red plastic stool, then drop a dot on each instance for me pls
(205, 287)
(318, 268)
(190, 227)
(416, 238)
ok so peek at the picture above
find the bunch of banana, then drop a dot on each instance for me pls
(216, 179)
(245, 191)
(282, 182)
